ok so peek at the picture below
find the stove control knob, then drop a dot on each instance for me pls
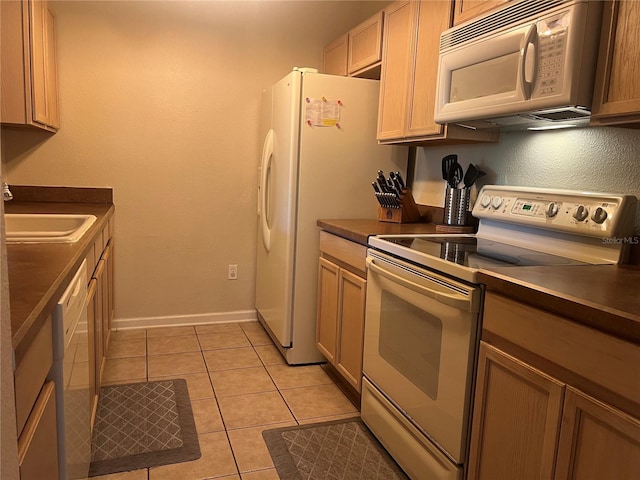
(581, 213)
(497, 201)
(600, 215)
(552, 210)
(485, 201)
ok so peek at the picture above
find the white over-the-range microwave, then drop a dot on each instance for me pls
(529, 64)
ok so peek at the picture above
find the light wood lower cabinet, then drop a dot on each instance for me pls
(596, 440)
(341, 305)
(100, 310)
(37, 445)
(516, 420)
(554, 399)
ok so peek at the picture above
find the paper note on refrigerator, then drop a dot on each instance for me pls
(321, 112)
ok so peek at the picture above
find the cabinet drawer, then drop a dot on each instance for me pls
(32, 372)
(602, 359)
(351, 253)
(37, 446)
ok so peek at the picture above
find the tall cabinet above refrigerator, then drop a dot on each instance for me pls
(319, 157)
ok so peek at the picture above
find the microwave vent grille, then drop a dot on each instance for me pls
(560, 115)
(514, 13)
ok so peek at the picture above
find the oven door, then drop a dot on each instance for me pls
(419, 348)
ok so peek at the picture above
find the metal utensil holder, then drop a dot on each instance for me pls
(456, 205)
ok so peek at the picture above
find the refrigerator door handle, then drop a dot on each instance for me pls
(265, 181)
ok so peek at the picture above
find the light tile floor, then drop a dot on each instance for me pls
(239, 385)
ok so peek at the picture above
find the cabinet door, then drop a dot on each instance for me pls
(38, 446)
(516, 419)
(616, 98)
(107, 290)
(433, 19)
(596, 441)
(327, 318)
(91, 338)
(468, 9)
(43, 65)
(100, 351)
(335, 56)
(365, 44)
(397, 54)
(351, 309)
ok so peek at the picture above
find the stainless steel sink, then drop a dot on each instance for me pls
(46, 227)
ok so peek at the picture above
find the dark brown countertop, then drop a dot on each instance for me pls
(359, 230)
(39, 272)
(605, 297)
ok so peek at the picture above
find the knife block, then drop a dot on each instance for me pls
(406, 213)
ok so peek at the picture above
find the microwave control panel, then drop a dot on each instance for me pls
(552, 45)
(585, 213)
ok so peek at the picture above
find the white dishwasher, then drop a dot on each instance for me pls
(71, 375)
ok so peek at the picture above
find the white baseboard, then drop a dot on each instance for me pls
(180, 320)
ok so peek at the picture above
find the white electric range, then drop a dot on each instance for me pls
(423, 313)
(522, 226)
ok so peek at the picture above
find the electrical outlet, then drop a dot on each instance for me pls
(232, 273)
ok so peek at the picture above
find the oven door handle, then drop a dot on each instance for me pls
(459, 301)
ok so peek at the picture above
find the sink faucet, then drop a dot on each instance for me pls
(6, 193)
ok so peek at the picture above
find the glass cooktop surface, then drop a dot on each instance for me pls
(476, 252)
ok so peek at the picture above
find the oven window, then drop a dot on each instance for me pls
(410, 341)
(498, 75)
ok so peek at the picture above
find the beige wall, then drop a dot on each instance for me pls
(160, 100)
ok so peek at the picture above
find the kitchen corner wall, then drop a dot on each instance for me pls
(602, 159)
(161, 100)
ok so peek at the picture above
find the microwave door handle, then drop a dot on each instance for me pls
(529, 60)
(456, 301)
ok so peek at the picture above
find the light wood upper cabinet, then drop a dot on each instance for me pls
(468, 9)
(616, 99)
(365, 44)
(397, 51)
(411, 43)
(335, 56)
(358, 52)
(29, 80)
(341, 305)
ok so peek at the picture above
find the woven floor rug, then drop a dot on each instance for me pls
(142, 425)
(341, 449)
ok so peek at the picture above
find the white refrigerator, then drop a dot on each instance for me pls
(318, 160)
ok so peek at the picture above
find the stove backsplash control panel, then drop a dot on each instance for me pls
(585, 213)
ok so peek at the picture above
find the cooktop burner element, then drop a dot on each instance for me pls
(522, 227)
(478, 253)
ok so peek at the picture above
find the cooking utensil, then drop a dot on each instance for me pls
(455, 175)
(472, 175)
(447, 164)
(400, 181)
(375, 186)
